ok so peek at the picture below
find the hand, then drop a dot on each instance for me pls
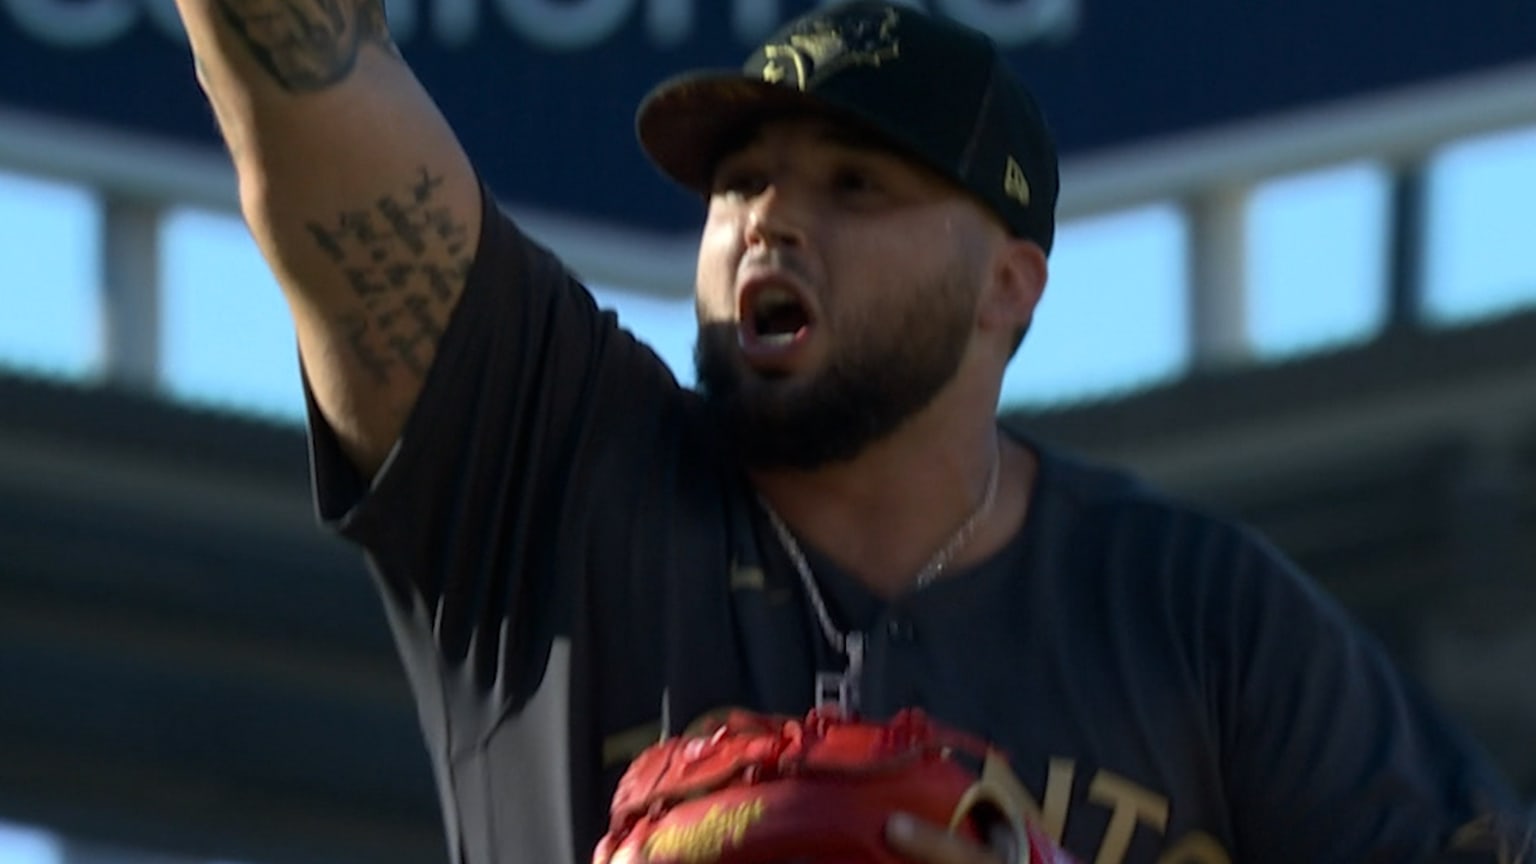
(926, 843)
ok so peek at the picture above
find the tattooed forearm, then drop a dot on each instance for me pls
(405, 258)
(307, 45)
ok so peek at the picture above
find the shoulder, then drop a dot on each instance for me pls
(506, 250)
(1078, 494)
(1104, 526)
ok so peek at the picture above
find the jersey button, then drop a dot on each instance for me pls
(900, 630)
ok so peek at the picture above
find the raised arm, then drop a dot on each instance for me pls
(355, 189)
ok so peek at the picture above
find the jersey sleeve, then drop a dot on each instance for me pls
(535, 395)
(1331, 754)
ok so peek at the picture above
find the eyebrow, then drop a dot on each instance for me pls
(868, 141)
(828, 130)
(831, 130)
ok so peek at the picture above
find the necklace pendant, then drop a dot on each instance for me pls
(842, 688)
(831, 689)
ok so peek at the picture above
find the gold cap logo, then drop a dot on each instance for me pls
(1015, 184)
(825, 46)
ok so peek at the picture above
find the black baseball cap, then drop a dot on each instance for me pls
(936, 90)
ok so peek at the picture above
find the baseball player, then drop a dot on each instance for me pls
(579, 557)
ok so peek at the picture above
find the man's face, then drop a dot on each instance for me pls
(837, 291)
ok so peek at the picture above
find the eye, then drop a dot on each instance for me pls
(852, 179)
(739, 181)
(857, 183)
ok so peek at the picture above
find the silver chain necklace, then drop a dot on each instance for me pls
(842, 688)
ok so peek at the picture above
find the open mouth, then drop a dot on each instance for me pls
(778, 316)
(773, 315)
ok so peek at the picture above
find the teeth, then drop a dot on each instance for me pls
(777, 317)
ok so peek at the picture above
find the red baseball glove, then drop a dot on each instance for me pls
(754, 789)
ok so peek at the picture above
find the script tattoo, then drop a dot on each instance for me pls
(405, 258)
(307, 45)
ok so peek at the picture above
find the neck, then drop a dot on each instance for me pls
(884, 515)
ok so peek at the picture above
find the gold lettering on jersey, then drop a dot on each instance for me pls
(998, 775)
(1015, 184)
(1129, 805)
(1485, 833)
(1052, 817)
(746, 578)
(997, 787)
(1196, 847)
(826, 46)
(1058, 794)
(704, 840)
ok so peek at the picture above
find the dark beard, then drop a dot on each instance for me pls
(875, 379)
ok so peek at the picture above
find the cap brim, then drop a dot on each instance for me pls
(686, 122)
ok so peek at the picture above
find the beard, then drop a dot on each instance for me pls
(883, 368)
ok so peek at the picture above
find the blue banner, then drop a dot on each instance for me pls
(543, 91)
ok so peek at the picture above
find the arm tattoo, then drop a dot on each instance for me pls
(307, 45)
(405, 258)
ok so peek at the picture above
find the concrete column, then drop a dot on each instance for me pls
(130, 269)
(1406, 236)
(1490, 556)
(1218, 279)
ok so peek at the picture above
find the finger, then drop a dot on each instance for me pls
(929, 844)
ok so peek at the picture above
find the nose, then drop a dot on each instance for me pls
(774, 219)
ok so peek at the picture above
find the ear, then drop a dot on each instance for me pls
(1019, 273)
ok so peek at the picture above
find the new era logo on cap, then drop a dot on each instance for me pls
(1015, 184)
